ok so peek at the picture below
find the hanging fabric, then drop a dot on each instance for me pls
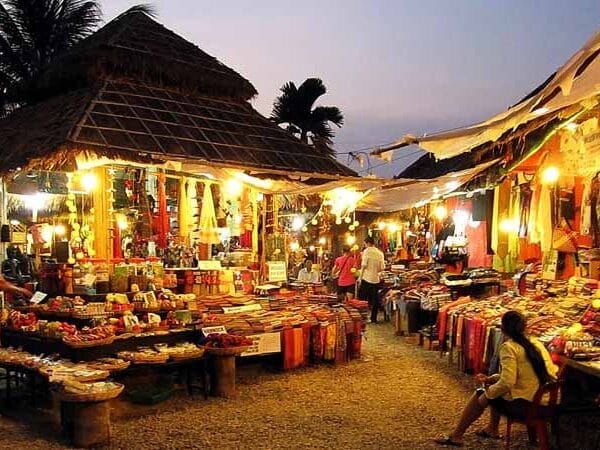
(208, 220)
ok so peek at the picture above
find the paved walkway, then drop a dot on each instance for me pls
(398, 396)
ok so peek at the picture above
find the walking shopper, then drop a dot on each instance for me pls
(342, 271)
(373, 263)
(525, 366)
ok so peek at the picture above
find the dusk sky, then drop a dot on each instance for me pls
(392, 66)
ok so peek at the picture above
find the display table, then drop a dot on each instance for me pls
(42, 345)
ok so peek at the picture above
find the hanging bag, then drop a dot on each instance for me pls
(564, 239)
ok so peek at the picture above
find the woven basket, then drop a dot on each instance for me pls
(230, 351)
(88, 344)
(150, 359)
(111, 367)
(188, 355)
(103, 374)
(91, 396)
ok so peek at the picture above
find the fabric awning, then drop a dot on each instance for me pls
(407, 193)
(576, 82)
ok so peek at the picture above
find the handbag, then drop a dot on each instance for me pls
(564, 239)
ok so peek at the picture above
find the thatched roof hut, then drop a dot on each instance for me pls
(136, 91)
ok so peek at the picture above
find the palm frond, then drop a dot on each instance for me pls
(308, 93)
(284, 105)
(328, 114)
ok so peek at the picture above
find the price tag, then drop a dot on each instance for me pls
(214, 330)
(263, 344)
(38, 297)
(240, 309)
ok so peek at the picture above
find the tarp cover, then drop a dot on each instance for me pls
(577, 81)
(406, 193)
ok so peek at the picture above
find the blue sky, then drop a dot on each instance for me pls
(392, 66)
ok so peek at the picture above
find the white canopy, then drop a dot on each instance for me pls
(576, 82)
(406, 193)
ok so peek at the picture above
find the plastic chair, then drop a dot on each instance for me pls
(539, 415)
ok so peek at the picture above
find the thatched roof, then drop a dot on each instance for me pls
(136, 46)
(146, 119)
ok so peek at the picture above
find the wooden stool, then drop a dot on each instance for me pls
(86, 424)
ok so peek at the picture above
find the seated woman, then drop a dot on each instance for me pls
(525, 365)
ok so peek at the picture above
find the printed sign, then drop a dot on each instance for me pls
(277, 271)
(38, 297)
(240, 309)
(214, 330)
(209, 265)
(263, 344)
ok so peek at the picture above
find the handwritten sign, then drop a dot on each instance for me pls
(277, 271)
(214, 330)
(240, 309)
(263, 344)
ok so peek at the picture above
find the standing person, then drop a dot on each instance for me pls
(342, 269)
(7, 286)
(373, 263)
(307, 274)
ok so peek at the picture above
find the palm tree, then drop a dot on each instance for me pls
(294, 107)
(33, 33)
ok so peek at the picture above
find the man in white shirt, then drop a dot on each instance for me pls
(307, 274)
(373, 263)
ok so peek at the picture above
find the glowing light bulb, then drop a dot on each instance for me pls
(89, 182)
(393, 227)
(297, 223)
(381, 225)
(294, 246)
(440, 212)
(550, 175)
(350, 240)
(60, 230)
(322, 241)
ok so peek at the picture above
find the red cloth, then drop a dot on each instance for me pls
(288, 348)
(306, 343)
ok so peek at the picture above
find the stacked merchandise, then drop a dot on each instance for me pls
(403, 301)
(313, 333)
(471, 327)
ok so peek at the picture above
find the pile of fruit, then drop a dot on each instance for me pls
(226, 340)
(56, 329)
(89, 335)
(22, 321)
(64, 304)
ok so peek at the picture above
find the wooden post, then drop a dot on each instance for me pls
(86, 424)
(223, 379)
(263, 240)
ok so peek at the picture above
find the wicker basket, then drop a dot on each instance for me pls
(150, 359)
(87, 344)
(188, 355)
(101, 375)
(85, 397)
(230, 351)
(111, 367)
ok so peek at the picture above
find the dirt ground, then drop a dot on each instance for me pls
(398, 396)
